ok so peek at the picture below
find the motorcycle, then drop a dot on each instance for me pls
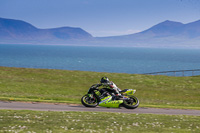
(97, 97)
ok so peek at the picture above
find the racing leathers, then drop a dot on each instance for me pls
(109, 87)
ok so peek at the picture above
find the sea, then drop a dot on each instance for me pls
(99, 59)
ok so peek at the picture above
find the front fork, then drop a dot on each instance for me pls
(94, 96)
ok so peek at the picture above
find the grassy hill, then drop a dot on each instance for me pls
(48, 85)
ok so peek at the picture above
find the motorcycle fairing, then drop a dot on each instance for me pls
(108, 102)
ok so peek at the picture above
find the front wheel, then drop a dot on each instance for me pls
(88, 101)
(131, 103)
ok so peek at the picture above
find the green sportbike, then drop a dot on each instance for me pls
(96, 96)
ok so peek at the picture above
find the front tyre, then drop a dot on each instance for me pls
(89, 101)
(131, 103)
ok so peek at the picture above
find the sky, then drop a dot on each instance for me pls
(101, 17)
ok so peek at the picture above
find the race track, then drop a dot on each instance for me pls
(64, 107)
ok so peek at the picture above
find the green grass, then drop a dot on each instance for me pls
(47, 85)
(95, 122)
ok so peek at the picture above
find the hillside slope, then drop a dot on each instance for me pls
(20, 31)
(168, 34)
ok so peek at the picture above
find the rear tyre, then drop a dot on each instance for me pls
(89, 101)
(131, 103)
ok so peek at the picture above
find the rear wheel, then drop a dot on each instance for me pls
(88, 101)
(131, 103)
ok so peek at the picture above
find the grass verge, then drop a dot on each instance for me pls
(98, 122)
(48, 85)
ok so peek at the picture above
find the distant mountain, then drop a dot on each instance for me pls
(170, 28)
(17, 31)
(164, 29)
(165, 34)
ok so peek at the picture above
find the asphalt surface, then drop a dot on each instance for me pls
(64, 107)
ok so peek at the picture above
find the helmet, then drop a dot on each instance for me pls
(104, 80)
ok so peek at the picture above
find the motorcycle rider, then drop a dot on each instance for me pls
(110, 87)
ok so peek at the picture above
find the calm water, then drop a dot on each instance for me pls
(99, 59)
